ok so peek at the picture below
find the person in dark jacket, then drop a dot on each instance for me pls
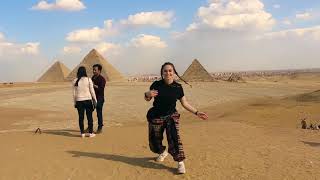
(99, 85)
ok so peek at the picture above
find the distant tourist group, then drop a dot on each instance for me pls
(312, 126)
(88, 94)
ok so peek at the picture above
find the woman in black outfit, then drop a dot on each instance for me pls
(164, 116)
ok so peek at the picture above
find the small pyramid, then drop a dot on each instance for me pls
(56, 73)
(94, 57)
(235, 78)
(196, 72)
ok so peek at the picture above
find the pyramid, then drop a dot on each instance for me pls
(56, 73)
(196, 72)
(235, 78)
(108, 71)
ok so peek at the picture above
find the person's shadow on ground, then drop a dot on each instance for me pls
(144, 162)
(63, 132)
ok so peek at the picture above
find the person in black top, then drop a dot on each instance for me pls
(163, 116)
(99, 84)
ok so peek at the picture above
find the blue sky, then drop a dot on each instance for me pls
(20, 23)
(160, 27)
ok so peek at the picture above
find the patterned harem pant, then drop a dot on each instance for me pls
(169, 123)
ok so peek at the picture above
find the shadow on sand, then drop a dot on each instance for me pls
(144, 162)
(63, 132)
(313, 144)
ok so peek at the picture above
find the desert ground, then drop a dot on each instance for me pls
(253, 132)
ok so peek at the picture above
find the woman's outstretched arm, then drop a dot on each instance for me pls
(185, 104)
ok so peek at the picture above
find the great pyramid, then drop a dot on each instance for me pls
(196, 72)
(108, 71)
(56, 73)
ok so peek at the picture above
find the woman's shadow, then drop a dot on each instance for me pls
(144, 162)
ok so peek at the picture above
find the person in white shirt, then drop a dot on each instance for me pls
(84, 99)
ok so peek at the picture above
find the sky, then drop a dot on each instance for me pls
(138, 36)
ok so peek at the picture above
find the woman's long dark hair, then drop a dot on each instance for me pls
(175, 71)
(81, 73)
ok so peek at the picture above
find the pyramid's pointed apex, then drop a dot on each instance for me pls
(195, 61)
(58, 63)
(93, 51)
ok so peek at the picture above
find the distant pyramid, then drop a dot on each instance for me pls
(108, 71)
(196, 72)
(56, 73)
(235, 78)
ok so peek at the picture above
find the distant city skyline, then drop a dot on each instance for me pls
(138, 36)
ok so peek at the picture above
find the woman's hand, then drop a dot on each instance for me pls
(202, 115)
(152, 93)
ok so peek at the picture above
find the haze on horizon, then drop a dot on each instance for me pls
(137, 37)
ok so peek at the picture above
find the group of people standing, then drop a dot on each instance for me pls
(163, 116)
(88, 94)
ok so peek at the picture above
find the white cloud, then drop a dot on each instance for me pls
(30, 48)
(107, 48)
(177, 35)
(67, 5)
(312, 33)
(192, 27)
(235, 15)
(86, 35)
(143, 40)
(19, 61)
(94, 34)
(160, 19)
(276, 6)
(304, 16)
(10, 48)
(43, 5)
(287, 22)
(71, 49)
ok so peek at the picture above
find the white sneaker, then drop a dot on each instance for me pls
(181, 168)
(83, 135)
(162, 156)
(92, 135)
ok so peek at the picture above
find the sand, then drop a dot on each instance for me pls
(253, 132)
